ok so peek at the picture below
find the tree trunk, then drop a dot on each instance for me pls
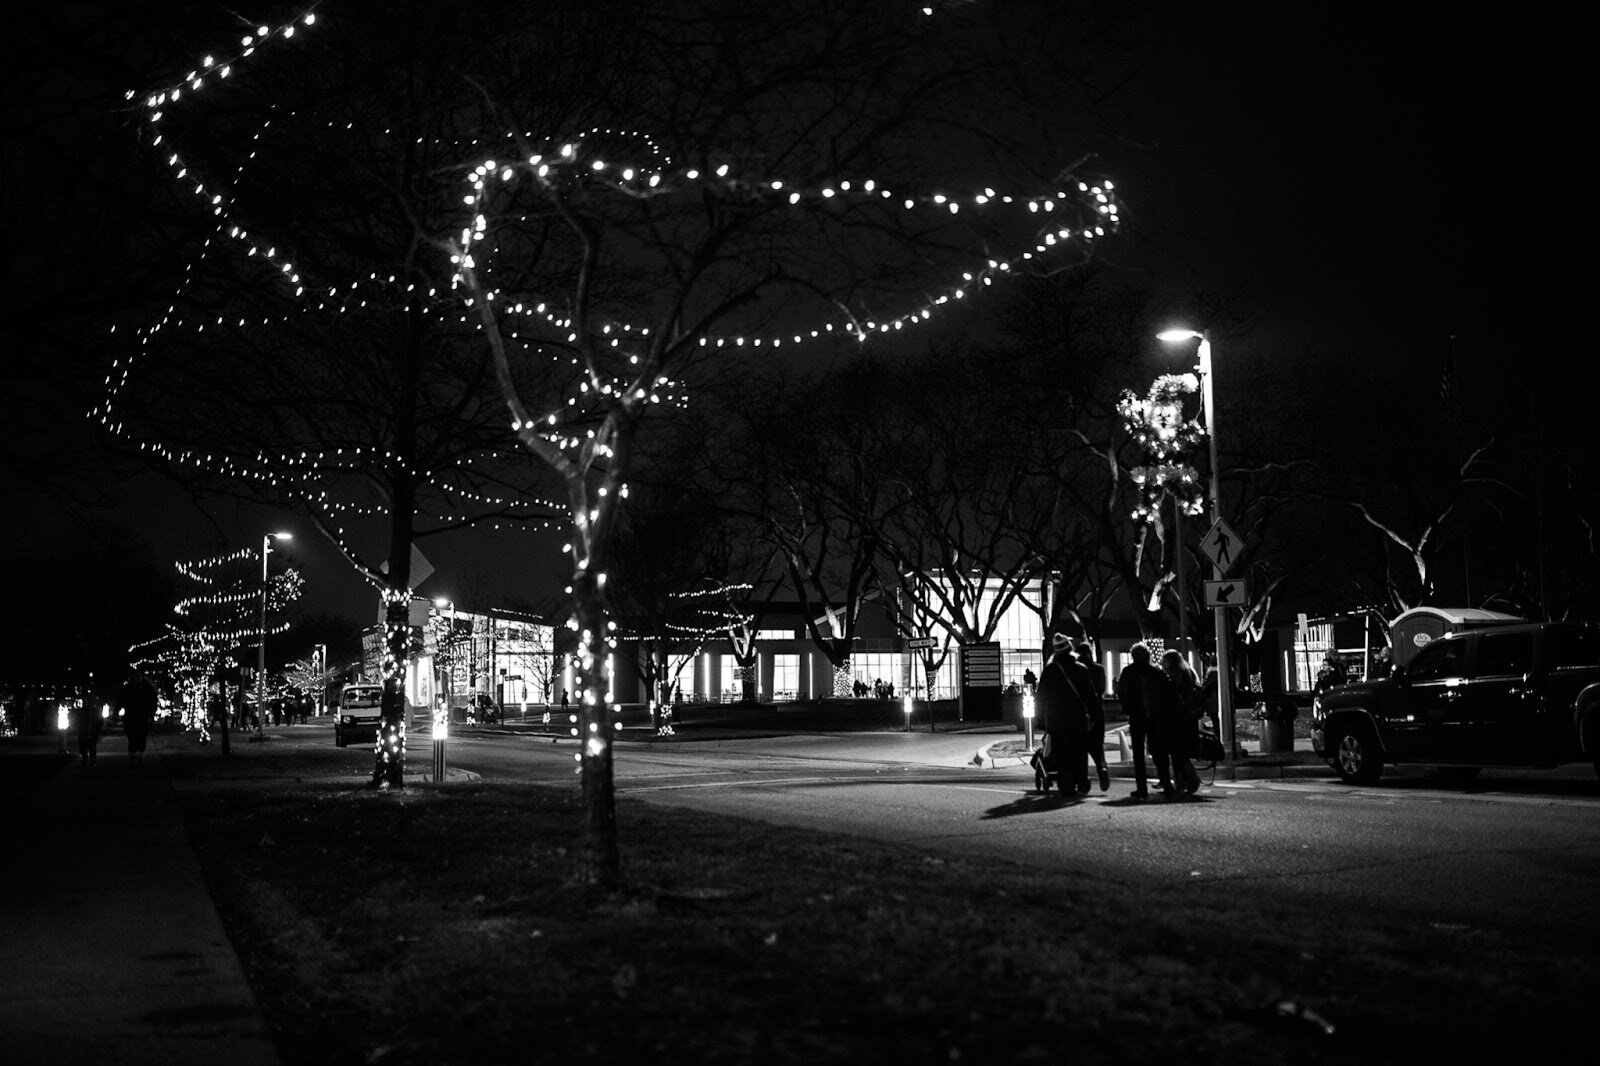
(599, 865)
(225, 745)
(389, 754)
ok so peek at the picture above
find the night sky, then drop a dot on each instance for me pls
(1365, 181)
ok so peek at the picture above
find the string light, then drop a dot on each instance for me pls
(188, 653)
(613, 365)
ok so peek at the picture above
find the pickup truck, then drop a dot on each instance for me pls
(1514, 695)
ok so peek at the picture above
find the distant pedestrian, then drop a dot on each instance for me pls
(1142, 691)
(138, 700)
(1332, 675)
(1179, 730)
(1094, 704)
(1066, 719)
(89, 723)
(564, 703)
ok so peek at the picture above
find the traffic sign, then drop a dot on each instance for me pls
(921, 642)
(1229, 592)
(1221, 545)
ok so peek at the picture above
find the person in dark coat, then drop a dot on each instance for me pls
(87, 719)
(1141, 689)
(1094, 701)
(138, 700)
(1066, 719)
(1180, 722)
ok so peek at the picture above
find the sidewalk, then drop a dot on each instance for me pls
(111, 950)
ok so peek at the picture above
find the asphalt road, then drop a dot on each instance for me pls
(1513, 848)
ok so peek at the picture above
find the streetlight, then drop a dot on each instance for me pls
(261, 645)
(1220, 614)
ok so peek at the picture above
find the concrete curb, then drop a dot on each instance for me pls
(1252, 767)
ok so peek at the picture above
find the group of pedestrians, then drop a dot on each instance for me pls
(1164, 705)
(137, 701)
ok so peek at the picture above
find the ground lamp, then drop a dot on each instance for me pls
(261, 644)
(1224, 673)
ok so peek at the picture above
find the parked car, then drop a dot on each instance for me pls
(359, 713)
(1510, 695)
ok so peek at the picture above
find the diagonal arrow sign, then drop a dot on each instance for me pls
(1227, 592)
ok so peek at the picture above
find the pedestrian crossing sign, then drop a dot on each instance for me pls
(1221, 545)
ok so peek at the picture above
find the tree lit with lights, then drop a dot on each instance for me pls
(217, 617)
(645, 198)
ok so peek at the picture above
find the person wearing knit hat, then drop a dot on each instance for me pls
(1061, 704)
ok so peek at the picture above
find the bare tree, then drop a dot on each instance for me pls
(772, 186)
(314, 357)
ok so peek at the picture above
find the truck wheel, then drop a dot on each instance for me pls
(338, 739)
(1357, 758)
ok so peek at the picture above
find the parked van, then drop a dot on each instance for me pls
(359, 713)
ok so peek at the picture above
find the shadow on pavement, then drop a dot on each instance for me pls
(1034, 803)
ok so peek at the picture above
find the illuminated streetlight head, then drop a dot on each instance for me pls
(442, 601)
(1173, 335)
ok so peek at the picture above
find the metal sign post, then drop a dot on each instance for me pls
(914, 645)
(1221, 545)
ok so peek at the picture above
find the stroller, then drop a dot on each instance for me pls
(1044, 767)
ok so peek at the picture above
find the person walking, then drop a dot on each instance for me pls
(138, 699)
(1066, 719)
(1094, 704)
(87, 719)
(1141, 689)
(1182, 737)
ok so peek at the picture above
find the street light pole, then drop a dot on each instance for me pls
(1220, 614)
(447, 655)
(322, 678)
(441, 717)
(261, 643)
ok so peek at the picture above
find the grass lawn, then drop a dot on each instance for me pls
(439, 926)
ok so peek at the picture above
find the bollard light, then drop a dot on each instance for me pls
(63, 717)
(907, 703)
